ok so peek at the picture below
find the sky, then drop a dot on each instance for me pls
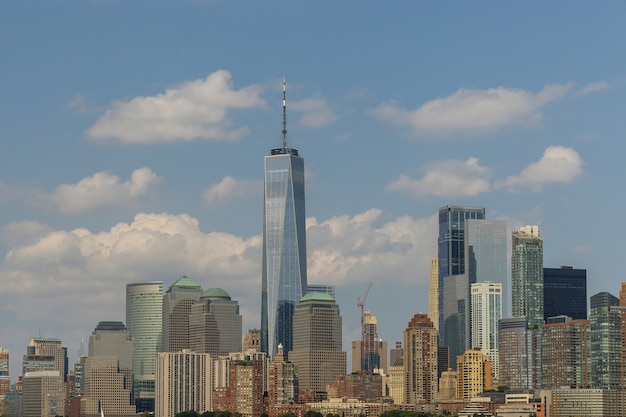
(133, 134)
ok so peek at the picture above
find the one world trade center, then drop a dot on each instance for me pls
(284, 244)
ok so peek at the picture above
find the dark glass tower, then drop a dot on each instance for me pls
(284, 244)
(454, 279)
(565, 292)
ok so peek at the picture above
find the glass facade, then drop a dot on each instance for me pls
(144, 314)
(284, 279)
(454, 280)
(605, 342)
(565, 292)
(527, 275)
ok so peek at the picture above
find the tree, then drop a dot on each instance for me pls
(312, 413)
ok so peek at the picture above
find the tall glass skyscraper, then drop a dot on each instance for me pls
(527, 275)
(454, 278)
(144, 314)
(565, 292)
(284, 244)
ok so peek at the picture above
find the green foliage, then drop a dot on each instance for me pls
(188, 413)
(312, 413)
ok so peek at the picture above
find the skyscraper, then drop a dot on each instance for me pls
(144, 317)
(284, 279)
(5, 379)
(454, 279)
(421, 341)
(177, 303)
(605, 342)
(527, 275)
(486, 315)
(474, 374)
(433, 293)
(215, 324)
(42, 352)
(565, 292)
(317, 351)
(565, 354)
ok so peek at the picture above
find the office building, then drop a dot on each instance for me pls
(215, 324)
(565, 293)
(144, 321)
(183, 382)
(396, 353)
(325, 288)
(252, 341)
(244, 393)
(317, 337)
(486, 316)
(177, 303)
(486, 253)
(5, 379)
(582, 402)
(107, 387)
(421, 341)
(43, 394)
(454, 278)
(565, 353)
(527, 275)
(283, 382)
(110, 338)
(284, 279)
(362, 386)
(395, 381)
(517, 353)
(448, 385)
(45, 354)
(605, 332)
(433, 293)
(473, 373)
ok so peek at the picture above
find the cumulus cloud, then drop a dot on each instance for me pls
(316, 111)
(103, 190)
(557, 165)
(593, 87)
(195, 109)
(229, 189)
(452, 178)
(472, 111)
(72, 279)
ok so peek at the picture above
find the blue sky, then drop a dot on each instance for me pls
(134, 134)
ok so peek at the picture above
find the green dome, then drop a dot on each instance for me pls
(185, 282)
(317, 296)
(215, 293)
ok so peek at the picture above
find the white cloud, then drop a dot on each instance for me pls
(230, 188)
(80, 103)
(593, 87)
(195, 109)
(80, 275)
(103, 190)
(316, 111)
(451, 178)
(557, 165)
(472, 111)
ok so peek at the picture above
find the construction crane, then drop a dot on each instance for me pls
(361, 304)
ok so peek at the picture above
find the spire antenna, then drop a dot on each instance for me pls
(284, 113)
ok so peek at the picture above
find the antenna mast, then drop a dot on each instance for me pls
(284, 113)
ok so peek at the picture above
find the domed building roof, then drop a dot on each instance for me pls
(317, 296)
(215, 293)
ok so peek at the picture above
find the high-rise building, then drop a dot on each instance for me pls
(108, 380)
(454, 278)
(42, 352)
(284, 278)
(215, 324)
(565, 353)
(565, 293)
(486, 315)
(474, 374)
(433, 292)
(372, 354)
(144, 321)
(326, 288)
(244, 394)
(395, 381)
(317, 337)
(486, 253)
(252, 341)
(283, 382)
(527, 275)
(517, 352)
(605, 366)
(43, 394)
(5, 379)
(177, 303)
(183, 382)
(421, 341)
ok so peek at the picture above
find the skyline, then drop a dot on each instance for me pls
(517, 108)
